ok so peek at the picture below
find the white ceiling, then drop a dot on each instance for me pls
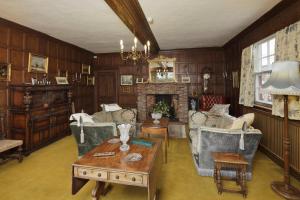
(92, 25)
(201, 23)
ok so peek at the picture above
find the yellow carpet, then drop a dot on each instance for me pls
(46, 174)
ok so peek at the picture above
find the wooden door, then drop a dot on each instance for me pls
(106, 88)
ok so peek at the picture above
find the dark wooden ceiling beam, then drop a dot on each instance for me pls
(132, 15)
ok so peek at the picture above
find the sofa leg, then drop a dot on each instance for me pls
(20, 154)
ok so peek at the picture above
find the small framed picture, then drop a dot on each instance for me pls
(5, 71)
(139, 80)
(126, 79)
(185, 79)
(37, 63)
(85, 69)
(61, 80)
(62, 73)
(90, 81)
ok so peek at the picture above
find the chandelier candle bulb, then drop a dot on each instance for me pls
(135, 42)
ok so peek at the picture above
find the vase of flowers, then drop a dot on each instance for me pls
(160, 109)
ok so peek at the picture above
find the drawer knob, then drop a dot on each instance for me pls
(117, 177)
(99, 174)
(133, 179)
(84, 172)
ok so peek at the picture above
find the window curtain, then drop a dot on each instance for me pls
(247, 82)
(287, 48)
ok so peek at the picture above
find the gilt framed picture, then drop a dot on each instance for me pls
(5, 71)
(85, 69)
(37, 63)
(61, 80)
(126, 79)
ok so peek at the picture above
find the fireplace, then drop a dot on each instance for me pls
(170, 99)
(175, 94)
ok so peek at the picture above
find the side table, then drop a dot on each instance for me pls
(148, 127)
(233, 161)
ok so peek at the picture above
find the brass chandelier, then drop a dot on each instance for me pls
(134, 54)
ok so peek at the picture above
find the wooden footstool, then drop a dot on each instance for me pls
(6, 145)
(231, 161)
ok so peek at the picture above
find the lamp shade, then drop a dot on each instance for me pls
(284, 79)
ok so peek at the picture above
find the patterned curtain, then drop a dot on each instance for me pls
(247, 85)
(287, 48)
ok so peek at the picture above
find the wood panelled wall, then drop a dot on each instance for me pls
(191, 62)
(17, 41)
(285, 13)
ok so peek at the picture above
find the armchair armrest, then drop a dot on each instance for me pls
(100, 124)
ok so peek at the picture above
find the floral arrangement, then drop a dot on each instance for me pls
(162, 107)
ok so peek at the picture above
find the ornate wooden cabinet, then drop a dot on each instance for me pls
(39, 114)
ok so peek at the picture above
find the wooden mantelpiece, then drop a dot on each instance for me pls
(39, 114)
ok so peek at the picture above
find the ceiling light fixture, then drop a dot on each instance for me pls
(135, 55)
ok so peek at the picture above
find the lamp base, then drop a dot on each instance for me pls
(286, 191)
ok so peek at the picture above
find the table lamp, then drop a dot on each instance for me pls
(285, 80)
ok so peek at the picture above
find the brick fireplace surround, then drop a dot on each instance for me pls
(179, 89)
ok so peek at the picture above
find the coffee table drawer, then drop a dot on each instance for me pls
(130, 178)
(90, 173)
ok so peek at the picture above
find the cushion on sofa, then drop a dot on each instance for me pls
(225, 121)
(110, 107)
(248, 118)
(124, 116)
(237, 124)
(196, 119)
(102, 117)
(219, 109)
(84, 116)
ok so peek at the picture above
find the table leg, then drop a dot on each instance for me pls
(215, 175)
(98, 190)
(243, 184)
(219, 183)
(166, 146)
(20, 155)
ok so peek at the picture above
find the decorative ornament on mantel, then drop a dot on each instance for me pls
(135, 55)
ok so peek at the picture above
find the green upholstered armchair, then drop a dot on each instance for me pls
(94, 134)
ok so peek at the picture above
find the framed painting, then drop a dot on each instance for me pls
(5, 71)
(162, 70)
(61, 80)
(139, 80)
(90, 81)
(126, 79)
(185, 79)
(85, 69)
(37, 63)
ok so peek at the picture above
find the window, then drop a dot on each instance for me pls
(264, 56)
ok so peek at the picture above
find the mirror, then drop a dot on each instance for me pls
(162, 70)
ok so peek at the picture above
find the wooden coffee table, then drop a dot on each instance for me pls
(143, 173)
(149, 128)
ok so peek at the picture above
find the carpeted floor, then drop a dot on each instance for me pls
(46, 175)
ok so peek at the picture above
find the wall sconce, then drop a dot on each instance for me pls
(206, 77)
